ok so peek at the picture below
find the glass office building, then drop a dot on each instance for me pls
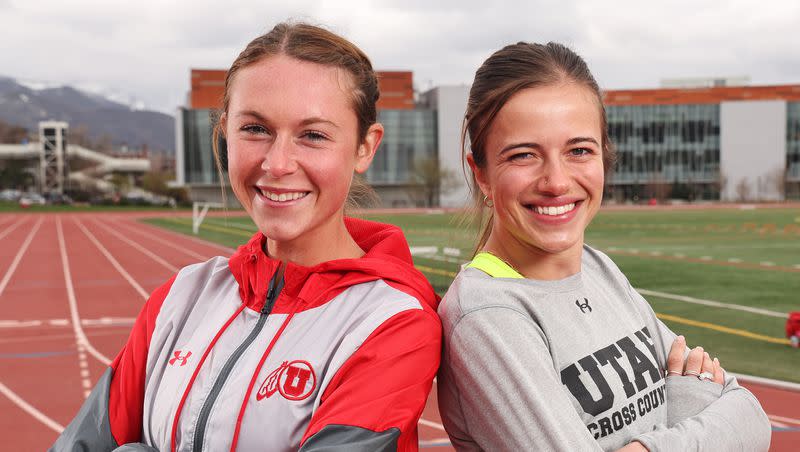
(793, 150)
(662, 147)
(409, 137)
(730, 143)
(198, 165)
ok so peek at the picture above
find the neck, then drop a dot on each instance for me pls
(326, 242)
(532, 262)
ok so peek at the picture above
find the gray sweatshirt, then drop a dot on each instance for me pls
(576, 364)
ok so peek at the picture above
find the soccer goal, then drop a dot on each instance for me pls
(199, 212)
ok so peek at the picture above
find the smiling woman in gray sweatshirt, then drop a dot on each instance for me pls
(547, 345)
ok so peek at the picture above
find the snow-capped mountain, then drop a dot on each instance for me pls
(102, 112)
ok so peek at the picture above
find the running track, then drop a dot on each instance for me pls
(70, 286)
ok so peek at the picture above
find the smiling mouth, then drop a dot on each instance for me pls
(282, 197)
(552, 210)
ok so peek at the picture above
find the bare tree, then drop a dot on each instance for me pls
(432, 179)
(776, 180)
(658, 187)
(721, 184)
(743, 190)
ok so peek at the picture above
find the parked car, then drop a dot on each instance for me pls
(58, 198)
(31, 199)
(10, 195)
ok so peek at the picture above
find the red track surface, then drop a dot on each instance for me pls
(112, 262)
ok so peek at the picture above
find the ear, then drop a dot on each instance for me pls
(480, 176)
(223, 124)
(367, 148)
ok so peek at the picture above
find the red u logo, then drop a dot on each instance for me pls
(298, 380)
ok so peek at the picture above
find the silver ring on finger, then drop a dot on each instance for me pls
(705, 376)
(673, 372)
(692, 373)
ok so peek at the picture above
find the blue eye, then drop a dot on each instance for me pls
(314, 136)
(520, 156)
(580, 151)
(253, 129)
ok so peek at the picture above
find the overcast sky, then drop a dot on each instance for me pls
(145, 49)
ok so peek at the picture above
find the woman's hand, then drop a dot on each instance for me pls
(698, 363)
(635, 446)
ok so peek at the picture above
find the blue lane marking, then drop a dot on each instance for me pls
(785, 429)
(35, 354)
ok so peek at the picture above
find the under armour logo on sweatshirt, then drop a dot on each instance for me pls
(584, 306)
(178, 357)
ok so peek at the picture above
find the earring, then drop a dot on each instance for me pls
(487, 202)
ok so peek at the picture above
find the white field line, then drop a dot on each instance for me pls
(13, 267)
(428, 423)
(102, 321)
(19, 323)
(172, 245)
(769, 382)
(11, 228)
(716, 304)
(80, 337)
(28, 408)
(113, 261)
(139, 247)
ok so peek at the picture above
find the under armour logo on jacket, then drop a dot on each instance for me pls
(584, 306)
(178, 357)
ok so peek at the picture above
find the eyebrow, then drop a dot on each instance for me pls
(305, 122)
(532, 145)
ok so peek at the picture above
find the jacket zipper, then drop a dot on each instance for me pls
(202, 420)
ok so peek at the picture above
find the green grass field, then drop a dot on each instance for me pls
(749, 258)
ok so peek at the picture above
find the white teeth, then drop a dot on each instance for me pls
(283, 197)
(555, 210)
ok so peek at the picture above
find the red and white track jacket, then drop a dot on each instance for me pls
(339, 356)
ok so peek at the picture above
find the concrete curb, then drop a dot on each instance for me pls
(778, 384)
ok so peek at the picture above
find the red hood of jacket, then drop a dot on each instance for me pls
(386, 257)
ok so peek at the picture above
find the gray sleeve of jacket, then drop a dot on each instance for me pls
(703, 415)
(347, 438)
(506, 400)
(90, 430)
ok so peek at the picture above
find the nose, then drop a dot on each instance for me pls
(554, 178)
(279, 159)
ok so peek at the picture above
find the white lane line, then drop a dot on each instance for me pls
(778, 424)
(428, 423)
(713, 303)
(734, 260)
(102, 321)
(226, 250)
(19, 323)
(152, 237)
(113, 261)
(28, 408)
(767, 264)
(13, 267)
(11, 228)
(139, 247)
(80, 337)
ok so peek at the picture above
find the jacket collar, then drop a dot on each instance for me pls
(386, 257)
